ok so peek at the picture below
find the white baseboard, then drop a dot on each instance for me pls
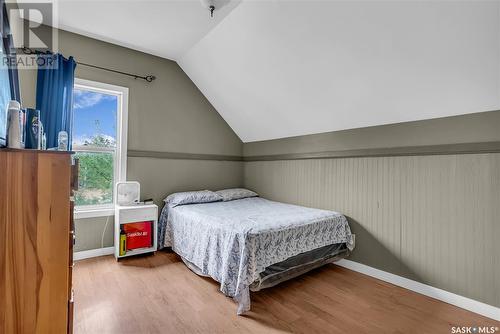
(93, 253)
(424, 289)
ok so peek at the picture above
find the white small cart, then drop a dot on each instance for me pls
(127, 210)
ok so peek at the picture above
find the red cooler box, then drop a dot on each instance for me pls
(139, 235)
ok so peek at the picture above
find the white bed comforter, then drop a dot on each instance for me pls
(233, 242)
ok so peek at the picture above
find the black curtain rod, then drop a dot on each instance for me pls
(148, 78)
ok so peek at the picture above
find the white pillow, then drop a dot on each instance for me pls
(192, 197)
(235, 193)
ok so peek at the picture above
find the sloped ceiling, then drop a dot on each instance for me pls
(165, 28)
(275, 69)
(280, 68)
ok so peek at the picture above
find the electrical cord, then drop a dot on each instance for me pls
(104, 231)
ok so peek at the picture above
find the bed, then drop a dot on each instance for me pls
(253, 243)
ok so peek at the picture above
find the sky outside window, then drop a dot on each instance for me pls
(93, 114)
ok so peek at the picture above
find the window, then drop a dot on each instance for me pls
(100, 144)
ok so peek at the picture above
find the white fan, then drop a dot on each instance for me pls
(128, 193)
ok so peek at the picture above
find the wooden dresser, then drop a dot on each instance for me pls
(36, 241)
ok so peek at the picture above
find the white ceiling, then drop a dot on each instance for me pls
(283, 68)
(165, 28)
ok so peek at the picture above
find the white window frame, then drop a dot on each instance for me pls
(120, 163)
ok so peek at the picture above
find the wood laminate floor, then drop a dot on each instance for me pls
(159, 294)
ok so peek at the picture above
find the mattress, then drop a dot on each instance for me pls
(234, 242)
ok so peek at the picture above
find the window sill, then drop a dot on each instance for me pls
(93, 213)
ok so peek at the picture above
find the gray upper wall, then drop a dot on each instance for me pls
(471, 128)
(170, 114)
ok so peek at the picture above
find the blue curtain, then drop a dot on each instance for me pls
(54, 95)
